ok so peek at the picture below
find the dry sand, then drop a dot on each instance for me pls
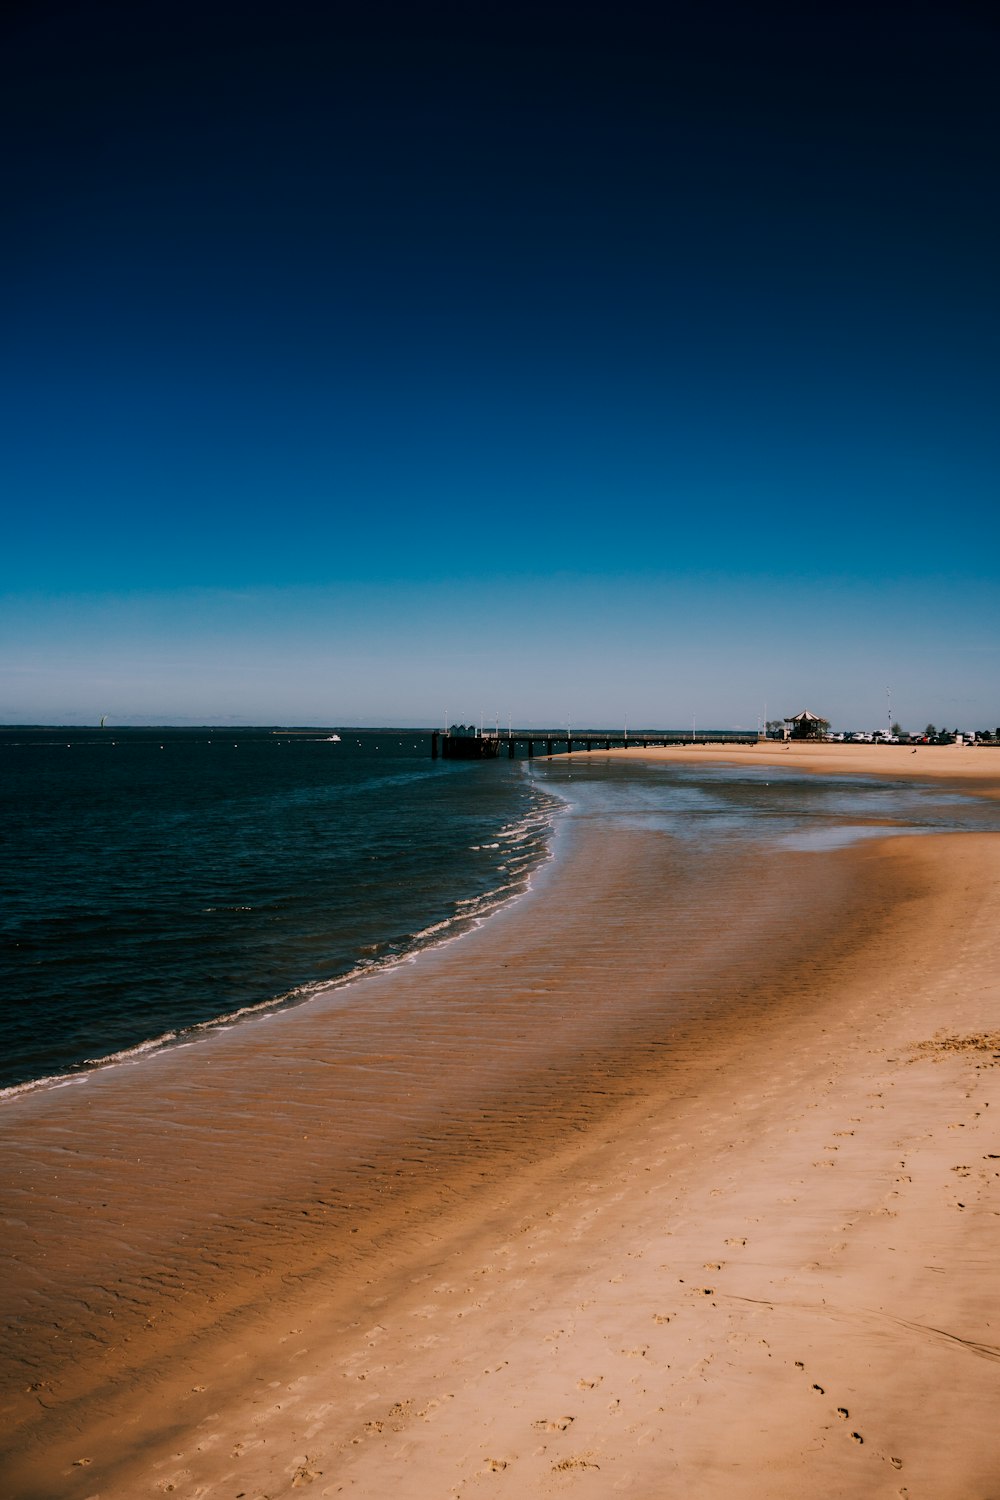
(695, 1197)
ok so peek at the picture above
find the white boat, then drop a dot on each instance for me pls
(333, 739)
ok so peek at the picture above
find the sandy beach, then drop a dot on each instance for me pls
(962, 764)
(669, 1180)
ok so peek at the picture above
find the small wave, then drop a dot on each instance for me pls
(426, 932)
(127, 1053)
(90, 1065)
(53, 1081)
(470, 912)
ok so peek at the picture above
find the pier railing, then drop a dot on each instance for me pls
(491, 743)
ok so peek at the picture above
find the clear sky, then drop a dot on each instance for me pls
(371, 363)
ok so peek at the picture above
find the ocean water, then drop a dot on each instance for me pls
(154, 882)
(158, 882)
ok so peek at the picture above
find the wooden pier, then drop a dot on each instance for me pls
(490, 745)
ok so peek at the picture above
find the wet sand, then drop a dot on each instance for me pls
(975, 767)
(669, 1179)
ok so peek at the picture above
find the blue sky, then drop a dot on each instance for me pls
(370, 364)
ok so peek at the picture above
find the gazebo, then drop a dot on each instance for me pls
(805, 725)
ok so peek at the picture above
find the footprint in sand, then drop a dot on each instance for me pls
(304, 1475)
(400, 1414)
(560, 1424)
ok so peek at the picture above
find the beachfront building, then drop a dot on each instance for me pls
(806, 726)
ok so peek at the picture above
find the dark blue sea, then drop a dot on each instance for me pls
(157, 882)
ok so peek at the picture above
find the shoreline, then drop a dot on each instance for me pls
(976, 769)
(458, 924)
(422, 1204)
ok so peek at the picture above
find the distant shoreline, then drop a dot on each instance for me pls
(976, 766)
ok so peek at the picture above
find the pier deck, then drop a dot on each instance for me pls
(489, 746)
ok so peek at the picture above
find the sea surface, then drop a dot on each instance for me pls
(156, 883)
